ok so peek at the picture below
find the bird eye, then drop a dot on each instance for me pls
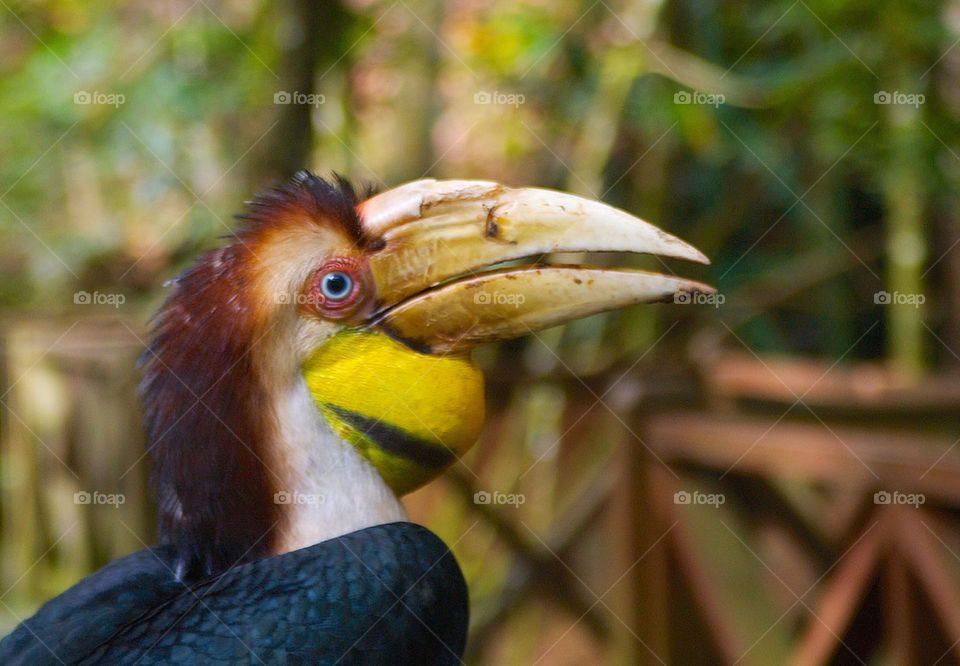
(336, 285)
(339, 289)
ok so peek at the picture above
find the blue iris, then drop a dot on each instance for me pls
(336, 285)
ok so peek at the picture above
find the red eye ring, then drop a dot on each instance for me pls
(339, 289)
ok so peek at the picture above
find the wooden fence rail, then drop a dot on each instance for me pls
(730, 515)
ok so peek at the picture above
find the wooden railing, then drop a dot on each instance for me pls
(724, 514)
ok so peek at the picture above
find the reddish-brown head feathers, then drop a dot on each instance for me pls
(326, 202)
(205, 398)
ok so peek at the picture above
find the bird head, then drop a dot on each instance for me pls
(328, 348)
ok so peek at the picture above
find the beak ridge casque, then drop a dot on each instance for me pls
(437, 276)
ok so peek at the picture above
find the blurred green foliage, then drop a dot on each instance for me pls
(809, 196)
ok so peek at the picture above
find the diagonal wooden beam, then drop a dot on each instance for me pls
(703, 589)
(841, 597)
(919, 544)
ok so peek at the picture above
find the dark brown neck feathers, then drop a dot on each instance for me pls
(205, 405)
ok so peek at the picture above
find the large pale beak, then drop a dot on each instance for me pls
(438, 288)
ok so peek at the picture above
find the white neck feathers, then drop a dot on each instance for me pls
(326, 488)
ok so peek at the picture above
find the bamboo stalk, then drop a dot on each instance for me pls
(905, 241)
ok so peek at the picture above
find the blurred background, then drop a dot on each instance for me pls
(766, 476)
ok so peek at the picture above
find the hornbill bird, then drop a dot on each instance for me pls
(300, 380)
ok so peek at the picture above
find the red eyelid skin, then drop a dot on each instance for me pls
(357, 302)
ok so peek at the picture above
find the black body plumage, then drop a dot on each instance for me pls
(389, 594)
